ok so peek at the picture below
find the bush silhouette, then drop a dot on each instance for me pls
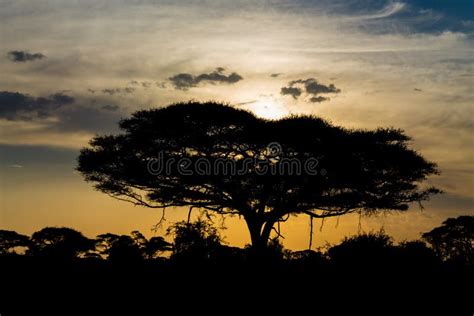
(373, 249)
(307, 258)
(417, 254)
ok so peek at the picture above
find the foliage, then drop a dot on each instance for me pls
(59, 243)
(364, 170)
(371, 248)
(200, 242)
(454, 239)
(194, 241)
(124, 248)
(11, 240)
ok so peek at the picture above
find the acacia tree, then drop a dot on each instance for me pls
(454, 239)
(228, 161)
(59, 243)
(11, 240)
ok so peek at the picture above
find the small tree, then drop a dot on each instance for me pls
(59, 243)
(153, 247)
(221, 159)
(118, 248)
(194, 241)
(454, 240)
(10, 241)
(123, 248)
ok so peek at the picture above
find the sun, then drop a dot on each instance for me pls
(269, 109)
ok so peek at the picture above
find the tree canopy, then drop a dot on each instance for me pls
(226, 160)
(59, 242)
(10, 240)
(454, 239)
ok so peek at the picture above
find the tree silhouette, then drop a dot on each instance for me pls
(234, 156)
(59, 243)
(153, 247)
(416, 253)
(124, 248)
(194, 241)
(118, 248)
(364, 250)
(454, 240)
(10, 240)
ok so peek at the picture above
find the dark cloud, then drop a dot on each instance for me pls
(18, 106)
(144, 84)
(275, 75)
(19, 56)
(246, 102)
(70, 114)
(109, 107)
(293, 91)
(310, 87)
(417, 90)
(113, 91)
(184, 81)
(318, 99)
(313, 87)
(86, 117)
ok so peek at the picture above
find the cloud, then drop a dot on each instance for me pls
(391, 9)
(246, 102)
(293, 91)
(19, 56)
(310, 87)
(18, 106)
(313, 87)
(144, 84)
(113, 91)
(318, 99)
(57, 113)
(275, 75)
(184, 81)
(86, 117)
(161, 85)
(109, 107)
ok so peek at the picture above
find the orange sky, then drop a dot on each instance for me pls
(406, 64)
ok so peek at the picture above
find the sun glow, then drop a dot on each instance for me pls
(268, 108)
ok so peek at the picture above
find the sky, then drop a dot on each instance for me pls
(72, 69)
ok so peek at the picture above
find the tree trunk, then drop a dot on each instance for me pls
(259, 233)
